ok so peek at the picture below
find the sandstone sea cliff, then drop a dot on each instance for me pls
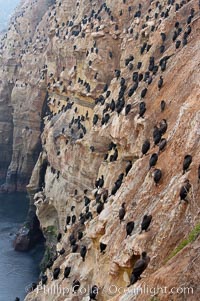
(82, 85)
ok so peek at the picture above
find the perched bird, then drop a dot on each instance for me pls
(117, 73)
(122, 82)
(56, 273)
(133, 89)
(162, 105)
(128, 167)
(105, 157)
(162, 145)
(157, 176)
(114, 189)
(80, 235)
(67, 272)
(101, 181)
(62, 251)
(95, 119)
(160, 82)
(184, 42)
(115, 155)
(145, 147)
(32, 287)
(59, 237)
(88, 215)
(142, 109)
(177, 24)
(139, 65)
(75, 285)
(73, 219)
(49, 263)
(102, 247)
(127, 109)
(157, 135)
(135, 77)
(144, 92)
(153, 160)
(72, 239)
(186, 163)
(44, 279)
(83, 252)
(129, 228)
(111, 146)
(74, 248)
(175, 35)
(146, 222)
(100, 207)
(163, 126)
(139, 267)
(163, 36)
(122, 212)
(97, 197)
(105, 195)
(178, 44)
(68, 219)
(184, 191)
(93, 292)
(162, 49)
(112, 105)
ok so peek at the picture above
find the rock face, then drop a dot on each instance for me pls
(6, 129)
(86, 67)
(21, 97)
(29, 234)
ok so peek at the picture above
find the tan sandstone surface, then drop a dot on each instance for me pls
(56, 75)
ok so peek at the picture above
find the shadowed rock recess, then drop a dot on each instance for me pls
(83, 84)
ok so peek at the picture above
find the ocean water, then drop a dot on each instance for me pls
(17, 270)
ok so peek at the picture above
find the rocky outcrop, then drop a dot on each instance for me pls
(6, 129)
(29, 234)
(93, 63)
(21, 97)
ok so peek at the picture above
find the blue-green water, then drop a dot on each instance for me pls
(17, 270)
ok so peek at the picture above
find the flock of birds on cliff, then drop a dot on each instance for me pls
(78, 129)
